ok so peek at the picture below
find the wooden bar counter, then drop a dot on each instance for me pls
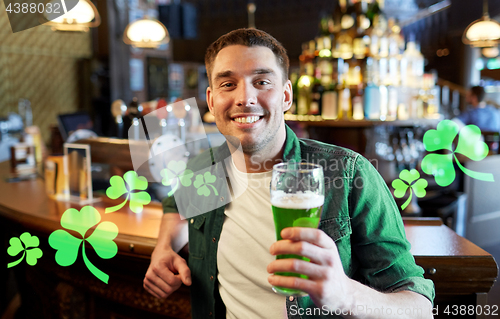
(461, 271)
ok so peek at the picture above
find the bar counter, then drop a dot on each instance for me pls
(462, 272)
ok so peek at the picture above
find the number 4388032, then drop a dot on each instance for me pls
(471, 310)
(33, 8)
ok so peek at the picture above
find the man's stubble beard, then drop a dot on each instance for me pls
(253, 148)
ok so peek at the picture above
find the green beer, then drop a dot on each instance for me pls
(295, 210)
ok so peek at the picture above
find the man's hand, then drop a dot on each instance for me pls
(327, 284)
(166, 273)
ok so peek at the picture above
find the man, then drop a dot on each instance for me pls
(360, 242)
(486, 117)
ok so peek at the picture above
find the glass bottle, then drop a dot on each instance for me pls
(357, 104)
(316, 94)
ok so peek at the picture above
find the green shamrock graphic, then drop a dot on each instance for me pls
(16, 246)
(469, 144)
(203, 181)
(101, 239)
(174, 173)
(134, 183)
(407, 180)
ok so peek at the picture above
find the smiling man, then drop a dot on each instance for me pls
(360, 267)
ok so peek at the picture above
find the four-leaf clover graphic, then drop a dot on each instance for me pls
(407, 180)
(469, 144)
(134, 183)
(174, 173)
(101, 239)
(203, 181)
(16, 246)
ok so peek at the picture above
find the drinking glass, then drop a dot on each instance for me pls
(297, 197)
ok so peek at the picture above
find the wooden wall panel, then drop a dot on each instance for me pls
(41, 66)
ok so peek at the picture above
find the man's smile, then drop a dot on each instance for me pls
(246, 118)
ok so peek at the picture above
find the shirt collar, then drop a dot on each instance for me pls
(291, 152)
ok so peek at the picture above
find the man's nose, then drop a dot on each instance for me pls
(246, 95)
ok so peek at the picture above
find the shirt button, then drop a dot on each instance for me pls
(211, 277)
(210, 313)
(192, 220)
(291, 298)
(222, 198)
(213, 239)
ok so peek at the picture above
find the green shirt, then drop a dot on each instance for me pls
(359, 214)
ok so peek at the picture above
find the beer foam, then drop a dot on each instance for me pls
(299, 200)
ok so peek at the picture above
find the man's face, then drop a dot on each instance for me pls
(470, 98)
(248, 97)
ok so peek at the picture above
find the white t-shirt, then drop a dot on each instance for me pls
(243, 251)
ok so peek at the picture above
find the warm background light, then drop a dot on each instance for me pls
(146, 33)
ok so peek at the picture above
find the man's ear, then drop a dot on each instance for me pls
(287, 96)
(210, 100)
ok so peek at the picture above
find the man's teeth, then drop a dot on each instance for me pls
(248, 119)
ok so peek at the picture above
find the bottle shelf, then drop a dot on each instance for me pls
(316, 120)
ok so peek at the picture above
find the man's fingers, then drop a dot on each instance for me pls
(305, 285)
(297, 266)
(155, 291)
(165, 276)
(316, 254)
(183, 270)
(311, 235)
(163, 286)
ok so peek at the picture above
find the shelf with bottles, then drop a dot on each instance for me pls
(318, 121)
(359, 69)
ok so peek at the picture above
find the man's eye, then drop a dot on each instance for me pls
(227, 85)
(263, 82)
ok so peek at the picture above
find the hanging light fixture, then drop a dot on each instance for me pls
(484, 32)
(146, 33)
(80, 18)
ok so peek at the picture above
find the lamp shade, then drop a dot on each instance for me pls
(482, 33)
(146, 33)
(83, 16)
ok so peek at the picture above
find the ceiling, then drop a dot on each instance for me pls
(293, 22)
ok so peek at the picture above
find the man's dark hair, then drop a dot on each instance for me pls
(248, 37)
(478, 91)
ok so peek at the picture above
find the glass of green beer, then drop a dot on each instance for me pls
(297, 197)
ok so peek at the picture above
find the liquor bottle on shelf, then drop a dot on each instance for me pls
(371, 96)
(304, 86)
(362, 21)
(418, 66)
(354, 76)
(384, 101)
(396, 41)
(371, 102)
(338, 13)
(361, 40)
(359, 47)
(330, 97)
(317, 90)
(357, 104)
(344, 46)
(374, 9)
(392, 103)
(411, 59)
(384, 38)
(383, 77)
(330, 100)
(344, 105)
(325, 54)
